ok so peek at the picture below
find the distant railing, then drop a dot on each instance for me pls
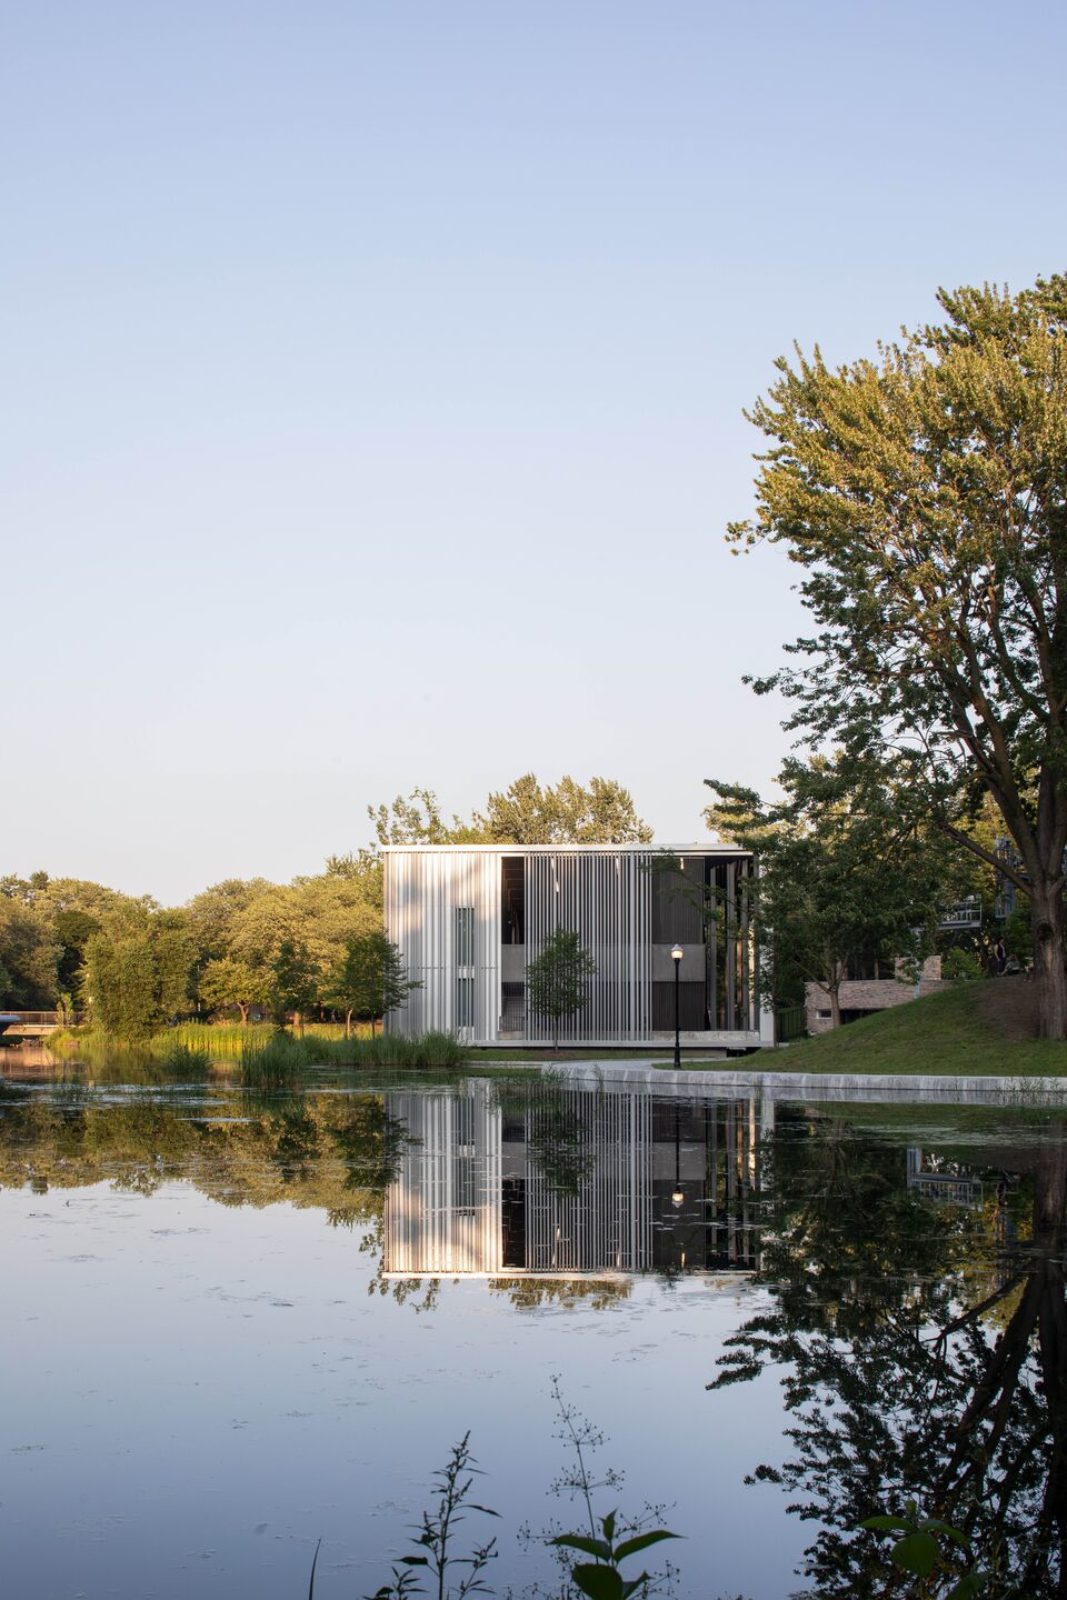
(42, 1019)
(964, 914)
(791, 1022)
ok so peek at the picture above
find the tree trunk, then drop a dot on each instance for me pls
(1046, 911)
(833, 989)
(348, 1023)
(243, 1009)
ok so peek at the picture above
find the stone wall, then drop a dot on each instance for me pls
(872, 994)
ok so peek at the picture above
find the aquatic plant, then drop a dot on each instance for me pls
(608, 1540)
(183, 1060)
(281, 1059)
(433, 1555)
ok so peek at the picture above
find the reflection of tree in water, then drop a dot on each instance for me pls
(335, 1152)
(560, 1136)
(901, 1384)
(530, 1293)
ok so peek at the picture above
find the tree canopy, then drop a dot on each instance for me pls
(526, 812)
(847, 871)
(925, 496)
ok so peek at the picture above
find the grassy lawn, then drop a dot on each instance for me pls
(971, 1029)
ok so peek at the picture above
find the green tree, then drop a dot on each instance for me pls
(28, 956)
(294, 983)
(138, 980)
(527, 812)
(416, 820)
(925, 496)
(321, 912)
(557, 979)
(226, 981)
(845, 872)
(370, 980)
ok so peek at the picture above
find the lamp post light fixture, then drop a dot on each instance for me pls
(676, 956)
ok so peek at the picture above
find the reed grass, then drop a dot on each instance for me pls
(280, 1060)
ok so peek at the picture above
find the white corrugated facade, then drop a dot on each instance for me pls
(468, 919)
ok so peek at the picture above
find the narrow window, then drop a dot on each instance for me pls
(464, 936)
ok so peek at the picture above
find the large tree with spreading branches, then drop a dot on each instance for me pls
(924, 494)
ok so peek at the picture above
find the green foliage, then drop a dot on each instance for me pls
(1018, 939)
(294, 982)
(923, 1548)
(283, 1058)
(434, 1555)
(922, 495)
(226, 981)
(184, 1061)
(135, 982)
(961, 965)
(28, 956)
(370, 980)
(566, 813)
(557, 977)
(609, 1540)
(602, 1578)
(846, 870)
(527, 812)
(278, 1062)
(954, 1032)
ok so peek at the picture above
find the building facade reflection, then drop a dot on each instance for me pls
(571, 1182)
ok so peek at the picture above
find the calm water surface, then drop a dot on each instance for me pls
(234, 1324)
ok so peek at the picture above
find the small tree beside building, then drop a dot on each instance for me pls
(556, 979)
(370, 979)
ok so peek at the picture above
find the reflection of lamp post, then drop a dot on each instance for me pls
(676, 956)
(678, 1197)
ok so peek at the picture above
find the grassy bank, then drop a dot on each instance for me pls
(971, 1029)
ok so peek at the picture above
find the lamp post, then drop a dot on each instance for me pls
(676, 956)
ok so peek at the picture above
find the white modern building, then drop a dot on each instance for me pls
(468, 920)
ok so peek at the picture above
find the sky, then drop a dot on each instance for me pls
(373, 378)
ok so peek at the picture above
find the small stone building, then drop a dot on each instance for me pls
(879, 985)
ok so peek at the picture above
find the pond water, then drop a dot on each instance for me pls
(235, 1324)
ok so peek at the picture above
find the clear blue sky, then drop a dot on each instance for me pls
(373, 374)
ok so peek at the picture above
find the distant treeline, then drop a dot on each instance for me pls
(248, 947)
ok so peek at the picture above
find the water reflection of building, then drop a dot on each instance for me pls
(938, 1178)
(571, 1181)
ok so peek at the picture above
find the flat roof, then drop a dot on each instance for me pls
(708, 848)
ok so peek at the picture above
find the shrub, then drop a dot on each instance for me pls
(961, 964)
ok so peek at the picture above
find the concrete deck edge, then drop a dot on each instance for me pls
(793, 1085)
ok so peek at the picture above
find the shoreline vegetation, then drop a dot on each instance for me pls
(264, 1056)
(974, 1029)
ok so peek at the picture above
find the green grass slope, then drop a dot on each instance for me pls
(972, 1028)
